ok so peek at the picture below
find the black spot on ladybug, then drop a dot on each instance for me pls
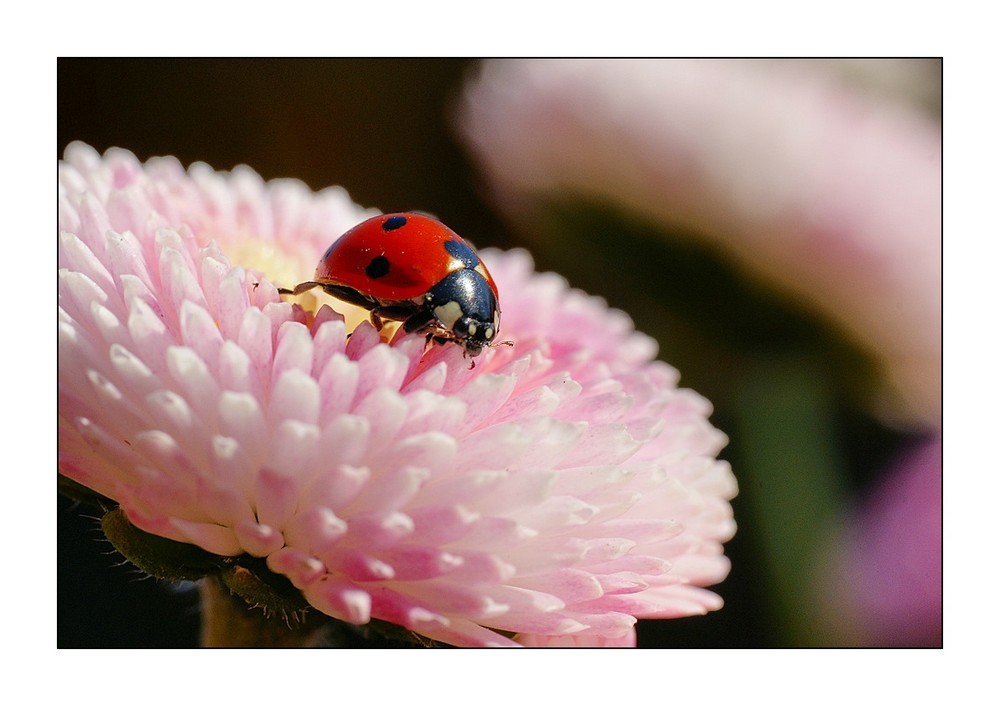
(378, 267)
(394, 223)
(463, 252)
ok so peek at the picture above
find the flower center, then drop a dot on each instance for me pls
(284, 269)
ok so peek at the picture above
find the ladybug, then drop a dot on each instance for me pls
(412, 268)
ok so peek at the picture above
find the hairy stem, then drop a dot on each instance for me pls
(228, 621)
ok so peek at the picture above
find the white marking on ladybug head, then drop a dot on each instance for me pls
(488, 333)
(472, 328)
(448, 314)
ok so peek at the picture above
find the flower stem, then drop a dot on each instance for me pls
(228, 621)
(794, 484)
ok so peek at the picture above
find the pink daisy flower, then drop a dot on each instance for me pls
(553, 494)
(831, 195)
(885, 563)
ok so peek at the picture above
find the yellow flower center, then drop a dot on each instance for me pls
(286, 270)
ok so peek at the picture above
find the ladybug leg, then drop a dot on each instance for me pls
(299, 288)
(346, 294)
(418, 321)
(437, 340)
(396, 312)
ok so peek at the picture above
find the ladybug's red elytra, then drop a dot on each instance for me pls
(412, 268)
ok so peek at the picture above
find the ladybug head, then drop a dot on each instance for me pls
(463, 304)
(473, 334)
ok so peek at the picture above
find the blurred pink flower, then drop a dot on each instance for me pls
(833, 195)
(558, 491)
(884, 586)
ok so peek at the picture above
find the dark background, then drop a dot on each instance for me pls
(383, 130)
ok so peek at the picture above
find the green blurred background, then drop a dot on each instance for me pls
(788, 391)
